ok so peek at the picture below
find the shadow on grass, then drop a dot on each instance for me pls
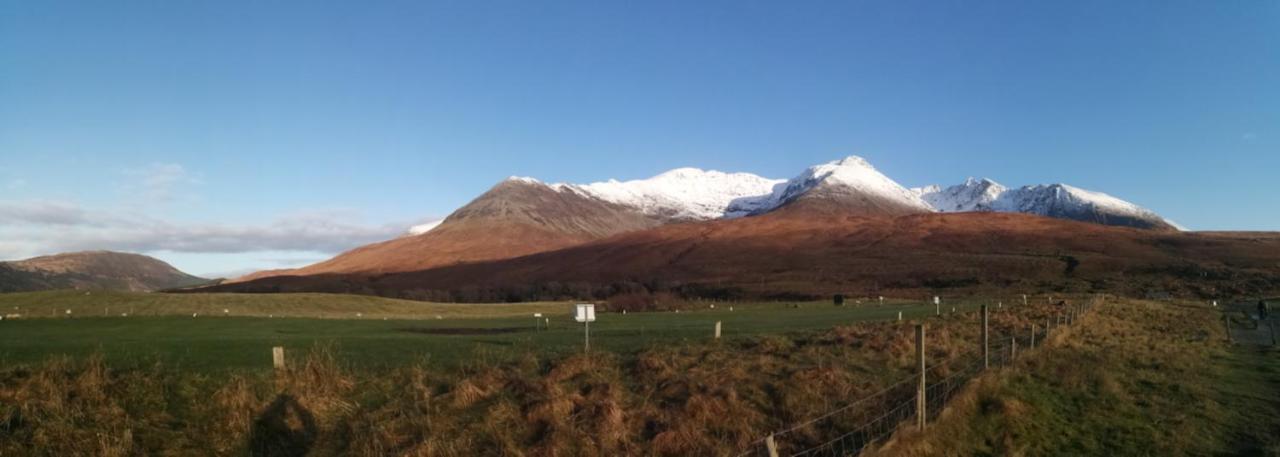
(284, 428)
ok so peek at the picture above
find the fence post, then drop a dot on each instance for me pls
(277, 357)
(986, 347)
(921, 406)
(1013, 349)
(771, 445)
(1272, 322)
(899, 315)
(1226, 322)
(717, 330)
(1033, 336)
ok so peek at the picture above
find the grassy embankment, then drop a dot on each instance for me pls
(1138, 378)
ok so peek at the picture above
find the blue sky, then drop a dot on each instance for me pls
(228, 136)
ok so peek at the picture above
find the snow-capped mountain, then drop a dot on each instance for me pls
(850, 184)
(1051, 200)
(690, 194)
(521, 216)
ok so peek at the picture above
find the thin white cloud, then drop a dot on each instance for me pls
(158, 182)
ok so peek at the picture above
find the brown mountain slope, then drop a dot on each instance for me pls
(93, 270)
(516, 217)
(801, 252)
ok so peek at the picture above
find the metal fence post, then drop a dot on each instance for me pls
(921, 406)
(986, 346)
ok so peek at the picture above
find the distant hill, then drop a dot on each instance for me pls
(100, 270)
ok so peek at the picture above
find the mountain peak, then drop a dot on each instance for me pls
(521, 180)
(851, 161)
(850, 184)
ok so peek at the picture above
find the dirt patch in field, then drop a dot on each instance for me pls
(462, 330)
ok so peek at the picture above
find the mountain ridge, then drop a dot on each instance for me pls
(522, 216)
(1058, 200)
(93, 270)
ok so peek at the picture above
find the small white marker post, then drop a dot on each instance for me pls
(882, 299)
(937, 306)
(1024, 299)
(537, 321)
(585, 313)
(717, 330)
(277, 357)
(899, 315)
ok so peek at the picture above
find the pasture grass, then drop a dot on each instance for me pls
(162, 329)
(638, 393)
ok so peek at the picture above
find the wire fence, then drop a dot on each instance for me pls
(851, 428)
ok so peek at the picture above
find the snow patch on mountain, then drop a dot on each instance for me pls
(425, 227)
(684, 193)
(973, 195)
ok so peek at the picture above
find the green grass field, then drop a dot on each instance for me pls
(388, 333)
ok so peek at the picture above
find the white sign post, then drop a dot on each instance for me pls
(537, 321)
(585, 313)
(937, 306)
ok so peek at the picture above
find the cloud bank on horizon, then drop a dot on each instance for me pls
(32, 227)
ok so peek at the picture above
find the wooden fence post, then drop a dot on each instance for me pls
(1226, 323)
(986, 347)
(277, 357)
(1033, 336)
(1013, 349)
(921, 406)
(717, 330)
(771, 445)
